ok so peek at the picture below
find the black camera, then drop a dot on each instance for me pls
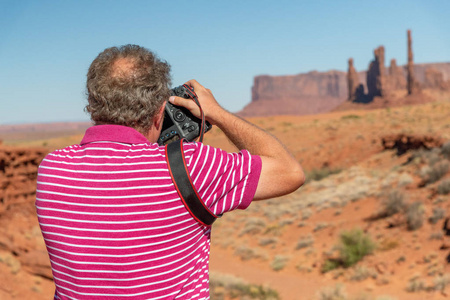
(180, 123)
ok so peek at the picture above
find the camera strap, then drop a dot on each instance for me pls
(184, 186)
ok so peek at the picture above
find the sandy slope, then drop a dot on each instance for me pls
(246, 243)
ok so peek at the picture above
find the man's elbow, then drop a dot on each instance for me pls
(298, 177)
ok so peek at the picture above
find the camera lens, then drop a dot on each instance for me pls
(179, 116)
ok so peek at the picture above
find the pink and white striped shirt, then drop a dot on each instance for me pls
(114, 225)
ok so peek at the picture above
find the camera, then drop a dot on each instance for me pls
(179, 122)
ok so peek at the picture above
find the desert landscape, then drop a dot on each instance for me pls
(369, 224)
(384, 172)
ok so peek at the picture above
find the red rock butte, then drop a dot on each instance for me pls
(318, 92)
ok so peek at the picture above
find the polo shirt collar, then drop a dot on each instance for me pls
(113, 133)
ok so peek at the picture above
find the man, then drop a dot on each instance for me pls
(113, 223)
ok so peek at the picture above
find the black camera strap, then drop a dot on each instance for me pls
(184, 186)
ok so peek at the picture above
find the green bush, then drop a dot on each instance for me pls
(349, 117)
(353, 246)
(331, 264)
(319, 174)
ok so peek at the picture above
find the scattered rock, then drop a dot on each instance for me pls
(37, 262)
(381, 268)
(11, 261)
(404, 142)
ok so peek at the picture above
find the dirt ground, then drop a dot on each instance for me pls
(283, 243)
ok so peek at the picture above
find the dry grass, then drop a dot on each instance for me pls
(279, 262)
(415, 215)
(229, 287)
(444, 187)
(392, 204)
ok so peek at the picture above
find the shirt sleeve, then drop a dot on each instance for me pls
(224, 181)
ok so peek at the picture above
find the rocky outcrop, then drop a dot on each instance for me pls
(18, 173)
(413, 86)
(435, 80)
(308, 93)
(404, 142)
(318, 92)
(352, 81)
(396, 78)
(22, 249)
(312, 84)
(376, 81)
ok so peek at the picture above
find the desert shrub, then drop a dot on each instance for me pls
(319, 174)
(388, 244)
(349, 117)
(361, 273)
(438, 235)
(246, 253)
(279, 262)
(333, 293)
(440, 282)
(253, 226)
(438, 214)
(286, 222)
(384, 297)
(415, 215)
(320, 226)
(428, 156)
(415, 285)
(435, 173)
(383, 280)
(353, 246)
(304, 242)
(392, 204)
(444, 187)
(268, 241)
(306, 213)
(331, 264)
(229, 287)
(273, 229)
(445, 150)
(405, 179)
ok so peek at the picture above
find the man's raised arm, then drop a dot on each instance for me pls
(280, 174)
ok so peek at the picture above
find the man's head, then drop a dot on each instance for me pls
(127, 86)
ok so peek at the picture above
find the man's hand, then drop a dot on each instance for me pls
(280, 174)
(211, 109)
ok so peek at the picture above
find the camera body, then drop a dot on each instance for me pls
(179, 122)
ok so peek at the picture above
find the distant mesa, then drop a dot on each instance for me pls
(318, 92)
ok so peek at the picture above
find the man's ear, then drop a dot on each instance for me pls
(159, 118)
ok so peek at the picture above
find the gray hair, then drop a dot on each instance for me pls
(127, 85)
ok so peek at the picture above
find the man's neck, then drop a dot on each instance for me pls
(153, 135)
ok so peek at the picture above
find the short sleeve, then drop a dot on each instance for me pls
(224, 181)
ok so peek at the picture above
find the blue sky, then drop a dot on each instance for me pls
(46, 46)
